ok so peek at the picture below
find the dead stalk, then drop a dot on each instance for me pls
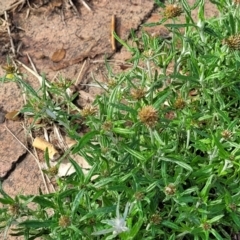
(9, 34)
(112, 33)
(86, 6)
(74, 7)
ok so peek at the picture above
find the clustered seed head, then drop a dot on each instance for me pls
(139, 196)
(148, 53)
(148, 115)
(172, 11)
(233, 207)
(180, 103)
(233, 42)
(137, 94)
(64, 221)
(155, 219)
(107, 126)
(170, 189)
(13, 209)
(206, 226)
(236, 1)
(53, 170)
(88, 110)
(9, 68)
(226, 134)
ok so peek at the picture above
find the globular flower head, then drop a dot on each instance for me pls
(14, 209)
(88, 110)
(170, 189)
(233, 42)
(156, 219)
(53, 171)
(172, 11)
(226, 134)
(180, 103)
(148, 115)
(137, 94)
(64, 221)
(107, 126)
(237, 2)
(206, 226)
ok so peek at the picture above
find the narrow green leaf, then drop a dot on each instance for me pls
(42, 201)
(135, 229)
(181, 164)
(235, 218)
(122, 42)
(97, 212)
(6, 201)
(170, 225)
(180, 25)
(76, 201)
(124, 131)
(216, 234)
(37, 224)
(124, 107)
(5, 195)
(135, 153)
(84, 140)
(205, 190)
(77, 168)
(216, 218)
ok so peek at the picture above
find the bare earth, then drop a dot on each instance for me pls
(42, 30)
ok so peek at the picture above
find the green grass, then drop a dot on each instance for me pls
(163, 141)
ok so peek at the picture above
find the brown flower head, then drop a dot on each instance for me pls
(155, 219)
(170, 189)
(107, 126)
(139, 196)
(206, 226)
(172, 11)
(180, 103)
(137, 94)
(236, 2)
(9, 68)
(233, 42)
(53, 171)
(226, 134)
(88, 110)
(148, 115)
(64, 221)
(13, 209)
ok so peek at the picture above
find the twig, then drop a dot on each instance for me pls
(112, 33)
(45, 184)
(86, 6)
(9, 34)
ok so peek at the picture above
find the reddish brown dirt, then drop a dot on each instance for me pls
(40, 30)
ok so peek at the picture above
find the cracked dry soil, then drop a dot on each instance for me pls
(42, 29)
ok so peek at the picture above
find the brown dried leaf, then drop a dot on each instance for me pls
(58, 55)
(13, 115)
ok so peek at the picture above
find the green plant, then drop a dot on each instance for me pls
(163, 143)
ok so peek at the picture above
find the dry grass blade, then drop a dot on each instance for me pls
(74, 7)
(86, 6)
(9, 34)
(15, 5)
(35, 158)
(35, 73)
